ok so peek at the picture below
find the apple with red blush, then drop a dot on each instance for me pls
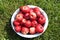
(19, 16)
(23, 21)
(25, 9)
(41, 20)
(37, 11)
(34, 23)
(16, 23)
(17, 28)
(26, 16)
(25, 30)
(28, 23)
(39, 28)
(33, 15)
(32, 30)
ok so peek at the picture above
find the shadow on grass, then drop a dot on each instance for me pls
(11, 35)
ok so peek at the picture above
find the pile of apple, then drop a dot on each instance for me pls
(29, 20)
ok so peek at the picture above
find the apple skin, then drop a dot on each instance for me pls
(25, 9)
(32, 30)
(18, 28)
(37, 11)
(26, 16)
(19, 16)
(28, 23)
(33, 15)
(39, 28)
(23, 21)
(34, 23)
(16, 23)
(41, 15)
(41, 20)
(25, 30)
(31, 10)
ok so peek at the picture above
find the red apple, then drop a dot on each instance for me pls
(33, 15)
(28, 23)
(26, 16)
(31, 9)
(19, 17)
(25, 9)
(32, 30)
(18, 28)
(39, 28)
(34, 23)
(41, 16)
(37, 11)
(23, 21)
(41, 20)
(24, 30)
(16, 23)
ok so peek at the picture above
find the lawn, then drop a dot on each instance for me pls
(51, 7)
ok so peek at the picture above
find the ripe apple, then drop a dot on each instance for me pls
(23, 21)
(31, 9)
(41, 16)
(26, 16)
(18, 28)
(28, 23)
(16, 23)
(25, 30)
(19, 17)
(34, 23)
(25, 9)
(37, 11)
(41, 20)
(32, 30)
(33, 15)
(39, 28)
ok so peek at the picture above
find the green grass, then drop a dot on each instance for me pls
(51, 7)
